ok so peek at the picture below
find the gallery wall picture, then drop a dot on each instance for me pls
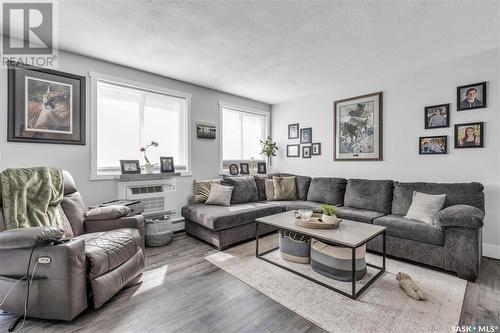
(205, 130)
(358, 128)
(470, 135)
(293, 151)
(471, 96)
(167, 165)
(293, 131)
(316, 149)
(306, 135)
(306, 151)
(45, 106)
(433, 145)
(437, 116)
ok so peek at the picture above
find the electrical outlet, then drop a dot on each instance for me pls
(44, 260)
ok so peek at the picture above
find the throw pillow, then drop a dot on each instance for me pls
(269, 189)
(245, 189)
(107, 213)
(424, 207)
(219, 195)
(285, 188)
(202, 189)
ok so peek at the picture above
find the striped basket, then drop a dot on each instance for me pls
(295, 247)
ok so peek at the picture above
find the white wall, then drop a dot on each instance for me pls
(76, 159)
(405, 96)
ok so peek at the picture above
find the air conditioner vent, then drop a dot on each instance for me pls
(155, 204)
(146, 189)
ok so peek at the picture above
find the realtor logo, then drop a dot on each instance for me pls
(28, 33)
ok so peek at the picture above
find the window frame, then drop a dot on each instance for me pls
(224, 165)
(115, 173)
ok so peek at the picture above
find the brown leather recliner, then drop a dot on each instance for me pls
(101, 258)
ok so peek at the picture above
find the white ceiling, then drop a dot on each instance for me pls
(277, 51)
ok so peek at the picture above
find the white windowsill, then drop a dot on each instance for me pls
(145, 176)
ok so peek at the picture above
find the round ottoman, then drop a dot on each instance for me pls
(294, 246)
(336, 262)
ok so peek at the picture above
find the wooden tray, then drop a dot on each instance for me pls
(314, 222)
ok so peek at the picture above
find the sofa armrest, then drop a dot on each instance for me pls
(462, 216)
(135, 222)
(28, 237)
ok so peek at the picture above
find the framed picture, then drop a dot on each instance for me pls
(437, 116)
(45, 106)
(233, 169)
(432, 145)
(293, 131)
(358, 128)
(316, 149)
(306, 135)
(244, 169)
(293, 151)
(306, 151)
(471, 96)
(261, 168)
(205, 130)
(167, 165)
(469, 135)
(130, 167)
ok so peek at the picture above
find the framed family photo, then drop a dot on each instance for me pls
(167, 165)
(437, 116)
(358, 128)
(433, 145)
(293, 151)
(244, 169)
(470, 135)
(293, 131)
(129, 167)
(261, 168)
(45, 106)
(471, 96)
(306, 135)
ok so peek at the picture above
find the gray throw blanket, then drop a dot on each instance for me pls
(30, 197)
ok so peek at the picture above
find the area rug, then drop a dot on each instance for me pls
(383, 307)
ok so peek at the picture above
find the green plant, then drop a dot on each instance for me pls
(330, 210)
(269, 148)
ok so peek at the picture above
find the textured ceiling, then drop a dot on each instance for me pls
(277, 51)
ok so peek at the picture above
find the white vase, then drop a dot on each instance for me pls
(328, 218)
(150, 168)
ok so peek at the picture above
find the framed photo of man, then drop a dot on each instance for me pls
(437, 116)
(470, 135)
(471, 96)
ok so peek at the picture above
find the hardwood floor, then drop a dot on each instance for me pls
(183, 292)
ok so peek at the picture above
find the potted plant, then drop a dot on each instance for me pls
(148, 166)
(330, 213)
(269, 149)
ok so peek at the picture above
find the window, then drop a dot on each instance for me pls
(242, 131)
(128, 118)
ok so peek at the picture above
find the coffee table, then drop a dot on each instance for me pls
(349, 234)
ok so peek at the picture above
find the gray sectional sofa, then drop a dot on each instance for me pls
(453, 243)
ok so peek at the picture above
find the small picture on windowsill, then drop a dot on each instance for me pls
(129, 167)
(167, 165)
(261, 168)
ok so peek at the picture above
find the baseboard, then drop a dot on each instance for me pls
(491, 251)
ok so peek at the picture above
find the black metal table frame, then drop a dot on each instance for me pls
(355, 294)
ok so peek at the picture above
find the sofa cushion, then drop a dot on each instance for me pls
(219, 217)
(328, 190)
(303, 183)
(456, 194)
(359, 215)
(245, 189)
(399, 226)
(269, 189)
(260, 182)
(297, 204)
(106, 251)
(285, 188)
(202, 189)
(219, 195)
(369, 194)
(424, 207)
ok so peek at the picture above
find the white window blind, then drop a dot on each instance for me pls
(129, 118)
(241, 134)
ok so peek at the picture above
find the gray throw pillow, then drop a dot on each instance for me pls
(245, 189)
(107, 213)
(424, 207)
(202, 189)
(285, 188)
(219, 195)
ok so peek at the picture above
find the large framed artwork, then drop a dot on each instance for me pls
(45, 106)
(358, 128)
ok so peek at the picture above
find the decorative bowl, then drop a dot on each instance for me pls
(303, 214)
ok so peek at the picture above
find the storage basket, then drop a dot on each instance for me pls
(159, 232)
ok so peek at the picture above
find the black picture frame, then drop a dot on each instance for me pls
(306, 135)
(244, 169)
(431, 117)
(429, 149)
(233, 169)
(290, 127)
(26, 102)
(167, 164)
(306, 151)
(288, 154)
(205, 130)
(318, 150)
(459, 135)
(462, 91)
(130, 167)
(261, 168)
